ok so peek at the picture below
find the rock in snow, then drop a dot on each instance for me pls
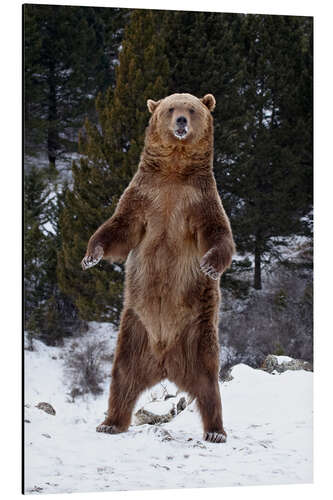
(160, 411)
(47, 408)
(143, 416)
(283, 363)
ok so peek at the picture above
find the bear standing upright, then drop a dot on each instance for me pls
(171, 227)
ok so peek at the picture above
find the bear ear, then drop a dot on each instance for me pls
(152, 105)
(209, 101)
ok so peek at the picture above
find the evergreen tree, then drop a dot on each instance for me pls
(39, 249)
(206, 49)
(48, 314)
(70, 54)
(259, 68)
(111, 155)
(269, 184)
(36, 247)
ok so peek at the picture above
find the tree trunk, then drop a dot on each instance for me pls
(257, 265)
(52, 132)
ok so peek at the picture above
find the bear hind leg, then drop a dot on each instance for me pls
(208, 399)
(134, 370)
(200, 377)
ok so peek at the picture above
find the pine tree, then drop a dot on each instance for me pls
(48, 314)
(269, 184)
(39, 249)
(111, 155)
(70, 54)
(36, 245)
(260, 70)
(206, 49)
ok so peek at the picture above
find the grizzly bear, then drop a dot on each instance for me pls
(171, 228)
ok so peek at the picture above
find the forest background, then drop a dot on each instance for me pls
(87, 75)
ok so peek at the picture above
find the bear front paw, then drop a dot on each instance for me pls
(92, 258)
(209, 265)
(210, 271)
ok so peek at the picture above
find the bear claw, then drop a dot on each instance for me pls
(90, 261)
(215, 437)
(107, 429)
(210, 271)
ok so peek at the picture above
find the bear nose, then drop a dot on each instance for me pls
(181, 120)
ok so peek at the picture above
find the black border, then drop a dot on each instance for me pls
(22, 271)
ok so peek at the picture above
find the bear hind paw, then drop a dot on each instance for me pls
(215, 437)
(107, 429)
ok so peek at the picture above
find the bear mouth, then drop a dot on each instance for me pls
(181, 132)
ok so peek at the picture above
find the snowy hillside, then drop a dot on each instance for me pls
(268, 418)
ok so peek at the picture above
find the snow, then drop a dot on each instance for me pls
(281, 248)
(268, 420)
(159, 407)
(283, 359)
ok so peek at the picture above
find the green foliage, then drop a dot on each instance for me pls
(269, 183)
(279, 351)
(204, 52)
(111, 155)
(69, 56)
(240, 288)
(55, 319)
(259, 69)
(48, 314)
(38, 242)
(243, 265)
(86, 206)
(280, 299)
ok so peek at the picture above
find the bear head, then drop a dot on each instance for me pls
(181, 118)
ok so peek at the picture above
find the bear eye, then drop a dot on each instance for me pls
(171, 110)
(192, 111)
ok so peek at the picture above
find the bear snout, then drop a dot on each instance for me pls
(181, 127)
(181, 121)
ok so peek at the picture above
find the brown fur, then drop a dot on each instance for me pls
(171, 227)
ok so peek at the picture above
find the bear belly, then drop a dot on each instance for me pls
(159, 277)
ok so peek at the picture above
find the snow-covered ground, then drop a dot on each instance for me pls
(268, 419)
